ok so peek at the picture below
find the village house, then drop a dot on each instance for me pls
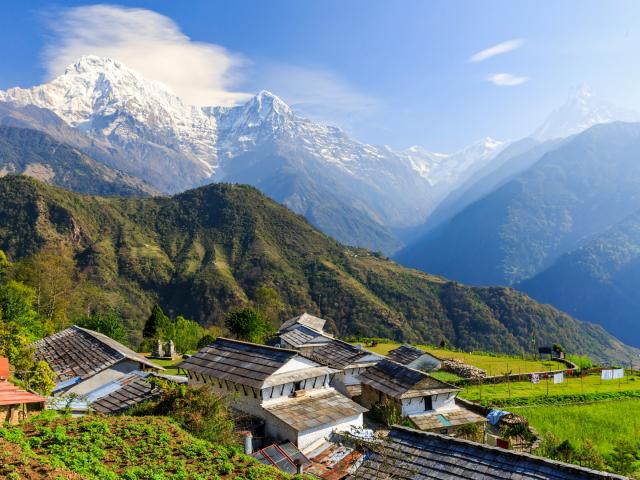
(15, 404)
(409, 454)
(84, 360)
(429, 403)
(305, 333)
(414, 357)
(291, 393)
(348, 361)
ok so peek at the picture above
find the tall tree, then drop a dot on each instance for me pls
(248, 324)
(156, 319)
(269, 303)
(109, 324)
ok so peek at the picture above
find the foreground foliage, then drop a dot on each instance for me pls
(128, 448)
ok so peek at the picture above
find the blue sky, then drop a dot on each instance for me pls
(393, 72)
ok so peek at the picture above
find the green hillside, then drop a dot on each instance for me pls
(207, 250)
(598, 282)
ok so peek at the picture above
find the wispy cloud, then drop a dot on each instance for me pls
(506, 79)
(498, 49)
(319, 93)
(150, 43)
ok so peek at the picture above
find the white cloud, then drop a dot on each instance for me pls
(506, 80)
(318, 93)
(498, 49)
(150, 43)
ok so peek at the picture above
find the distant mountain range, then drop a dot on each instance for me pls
(361, 194)
(207, 250)
(34, 153)
(559, 216)
(510, 213)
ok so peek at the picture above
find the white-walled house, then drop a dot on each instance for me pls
(414, 357)
(348, 361)
(429, 403)
(84, 360)
(291, 393)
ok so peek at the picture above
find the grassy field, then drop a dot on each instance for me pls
(603, 423)
(599, 428)
(494, 365)
(571, 386)
(170, 366)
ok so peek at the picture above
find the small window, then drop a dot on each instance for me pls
(428, 403)
(298, 386)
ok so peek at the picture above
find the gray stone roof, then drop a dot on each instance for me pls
(305, 319)
(300, 335)
(240, 362)
(79, 352)
(314, 410)
(436, 420)
(398, 381)
(413, 455)
(126, 392)
(405, 354)
(341, 355)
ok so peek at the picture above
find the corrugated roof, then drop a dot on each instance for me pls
(12, 395)
(405, 354)
(340, 355)
(240, 362)
(79, 352)
(414, 455)
(314, 410)
(281, 456)
(399, 381)
(305, 319)
(124, 393)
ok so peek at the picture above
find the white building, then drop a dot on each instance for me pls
(84, 360)
(305, 334)
(429, 403)
(291, 393)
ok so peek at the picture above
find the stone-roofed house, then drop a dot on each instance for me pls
(122, 394)
(414, 357)
(315, 323)
(289, 392)
(409, 454)
(429, 403)
(348, 360)
(84, 360)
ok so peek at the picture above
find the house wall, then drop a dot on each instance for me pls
(110, 374)
(276, 428)
(308, 438)
(411, 406)
(296, 363)
(346, 378)
(444, 401)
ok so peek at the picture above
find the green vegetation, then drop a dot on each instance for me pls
(123, 447)
(207, 251)
(574, 389)
(599, 435)
(493, 364)
(109, 324)
(248, 324)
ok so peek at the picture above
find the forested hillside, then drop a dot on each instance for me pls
(599, 281)
(208, 250)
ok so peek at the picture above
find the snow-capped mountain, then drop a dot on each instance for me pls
(358, 193)
(581, 111)
(158, 132)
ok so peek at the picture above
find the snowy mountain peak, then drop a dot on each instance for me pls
(105, 98)
(581, 110)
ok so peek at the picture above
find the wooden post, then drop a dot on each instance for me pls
(547, 375)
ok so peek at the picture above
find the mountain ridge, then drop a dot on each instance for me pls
(206, 250)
